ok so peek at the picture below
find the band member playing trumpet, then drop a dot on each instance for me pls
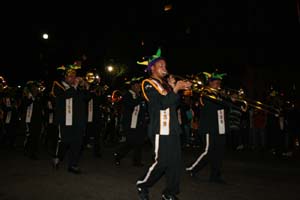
(70, 117)
(163, 129)
(212, 125)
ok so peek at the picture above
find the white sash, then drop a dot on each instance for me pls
(281, 123)
(29, 113)
(8, 117)
(165, 122)
(50, 107)
(69, 111)
(7, 102)
(90, 111)
(134, 116)
(221, 121)
(50, 118)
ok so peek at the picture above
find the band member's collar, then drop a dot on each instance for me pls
(159, 80)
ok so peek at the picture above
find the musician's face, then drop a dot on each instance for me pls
(136, 87)
(216, 84)
(34, 90)
(70, 77)
(159, 68)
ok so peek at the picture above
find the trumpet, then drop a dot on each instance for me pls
(92, 77)
(197, 83)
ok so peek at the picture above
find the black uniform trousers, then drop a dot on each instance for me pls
(93, 136)
(32, 138)
(134, 141)
(51, 138)
(212, 154)
(167, 162)
(70, 143)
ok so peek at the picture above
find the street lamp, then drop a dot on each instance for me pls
(110, 68)
(45, 36)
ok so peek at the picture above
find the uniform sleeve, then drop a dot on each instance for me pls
(129, 101)
(204, 114)
(165, 100)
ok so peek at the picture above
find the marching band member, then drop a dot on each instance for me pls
(163, 128)
(32, 103)
(70, 117)
(212, 124)
(132, 123)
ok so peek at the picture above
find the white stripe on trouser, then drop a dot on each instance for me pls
(58, 141)
(202, 155)
(154, 164)
(27, 134)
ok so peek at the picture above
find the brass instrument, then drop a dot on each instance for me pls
(254, 103)
(197, 83)
(236, 97)
(92, 77)
(116, 96)
(3, 84)
(221, 95)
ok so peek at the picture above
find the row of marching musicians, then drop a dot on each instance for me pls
(69, 113)
(74, 114)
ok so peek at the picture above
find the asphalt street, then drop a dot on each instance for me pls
(249, 175)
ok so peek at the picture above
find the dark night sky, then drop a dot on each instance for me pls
(232, 35)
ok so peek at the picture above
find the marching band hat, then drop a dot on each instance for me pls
(151, 60)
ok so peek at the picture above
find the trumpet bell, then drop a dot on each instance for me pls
(90, 77)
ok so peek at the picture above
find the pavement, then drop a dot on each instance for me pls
(250, 175)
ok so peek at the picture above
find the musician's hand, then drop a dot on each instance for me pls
(182, 85)
(171, 81)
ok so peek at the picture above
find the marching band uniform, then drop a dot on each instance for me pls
(94, 121)
(70, 117)
(33, 119)
(50, 127)
(163, 129)
(133, 124)
(10, 121)
(212, 124)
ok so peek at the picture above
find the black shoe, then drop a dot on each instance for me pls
(74, 170)
(143, 193)
(168, 197)
(117, 159)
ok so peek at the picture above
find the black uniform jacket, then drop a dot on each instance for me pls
(159, 98)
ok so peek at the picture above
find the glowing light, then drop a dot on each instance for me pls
(168, 7)
(45, 36)
(110, 68)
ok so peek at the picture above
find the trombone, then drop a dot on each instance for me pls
(250, 103)
(224, 94)
(221, 95)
